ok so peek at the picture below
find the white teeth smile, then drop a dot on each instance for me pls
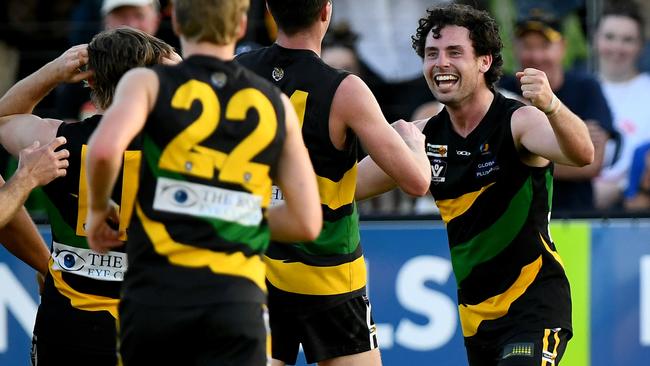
(446, 78)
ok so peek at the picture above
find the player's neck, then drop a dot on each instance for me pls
(465, 116)
(303, 40)
(223, 52)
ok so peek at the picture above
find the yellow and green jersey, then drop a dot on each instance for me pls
(496, 210)
(331, 269)
(210, 148)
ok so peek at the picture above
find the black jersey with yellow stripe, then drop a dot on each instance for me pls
(83, 286)
(496, 209)
(90, 280)
(332, 268)
(211, 146)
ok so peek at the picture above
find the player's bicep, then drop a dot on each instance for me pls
(355, 104)
(535, 137)
(21, 130)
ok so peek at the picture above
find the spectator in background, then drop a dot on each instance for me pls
(73, 100)
(539, 44)
(637, 194)
(139, 14)
(618, 44)
(340, 51)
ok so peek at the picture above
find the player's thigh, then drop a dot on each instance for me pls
(368, 358)
(347, 329)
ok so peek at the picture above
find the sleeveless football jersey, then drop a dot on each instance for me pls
(210, 149)
(83, 287)
(331, 269)
(497, 211)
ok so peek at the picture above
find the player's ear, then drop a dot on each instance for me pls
(485, 62)
(243, 24)
(326, 13)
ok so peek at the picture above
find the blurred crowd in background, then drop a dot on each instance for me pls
(594, 53)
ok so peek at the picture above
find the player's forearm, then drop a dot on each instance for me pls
(14, 194)
(288, 224)
(27, 93)
(102, 172)
(102, 167)
(572, 136)
(371, 180)
(22, 239)
(589, 171)
(422, 176)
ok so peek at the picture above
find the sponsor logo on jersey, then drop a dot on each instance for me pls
(485, 149)
(437, 151)
(219, 79)
(486, 168)
(277, 74)
(201, 200)
(463, 153)
(88, 263)
(438, 171)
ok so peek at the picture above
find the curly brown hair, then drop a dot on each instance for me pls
(114, 52)
(483, 32)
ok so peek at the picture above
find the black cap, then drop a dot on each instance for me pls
(540, 21)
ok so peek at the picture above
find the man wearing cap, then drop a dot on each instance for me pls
(539, 44)
(139, 14)
(73, 100)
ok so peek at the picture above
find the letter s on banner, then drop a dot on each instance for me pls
(438, 308)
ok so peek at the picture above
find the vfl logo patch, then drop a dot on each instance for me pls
(437, 151)
(277, 74)
(518, 350)
(438, 171)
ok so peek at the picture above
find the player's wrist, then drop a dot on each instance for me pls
(98, 205)
(26, 178)
(553, 107)
(51, 73)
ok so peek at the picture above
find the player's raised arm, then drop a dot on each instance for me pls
(550, 129)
